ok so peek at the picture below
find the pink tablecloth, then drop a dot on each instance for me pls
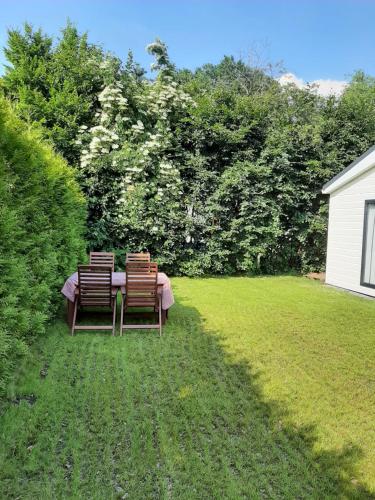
(118, 280)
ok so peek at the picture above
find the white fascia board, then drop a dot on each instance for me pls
(355, 169)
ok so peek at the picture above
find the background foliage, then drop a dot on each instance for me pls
(42, 216)
(213, 171)
(55, 84)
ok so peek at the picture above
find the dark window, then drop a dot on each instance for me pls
(368, 248)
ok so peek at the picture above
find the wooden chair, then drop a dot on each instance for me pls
(103, 259)
(95, 290)
(141, 291)
(140, 266)
(137, 257)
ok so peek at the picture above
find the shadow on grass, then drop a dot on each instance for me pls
(246, 434)
(176, 416)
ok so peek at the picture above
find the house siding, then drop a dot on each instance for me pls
(345, 233)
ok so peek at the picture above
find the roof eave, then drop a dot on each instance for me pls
(342, 177)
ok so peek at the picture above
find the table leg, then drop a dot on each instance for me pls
(164, 313)
(69, 312)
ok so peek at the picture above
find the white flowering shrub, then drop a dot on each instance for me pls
(130, 166)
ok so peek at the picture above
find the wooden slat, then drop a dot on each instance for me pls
(141, 268)
(93, 327)
(95, 285)
(138, 257)
(140, 287)
(140, 299)
(139, 327)
(102, 258)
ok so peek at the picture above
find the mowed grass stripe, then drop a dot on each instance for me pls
(231, 403)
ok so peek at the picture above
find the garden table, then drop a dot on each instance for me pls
(70, 288)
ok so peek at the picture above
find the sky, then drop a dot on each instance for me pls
(321, 41)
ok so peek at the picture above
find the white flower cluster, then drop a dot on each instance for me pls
(167, 169)
(103, 137)
(124, 187)
(163, 99)
(138, 128)
(146, 154)
(153, 145)
(159, 50)
(82, 130)
(105, 64)
(112, 95)
(102, 142)
(169, 178)
(157, 47)
(145, 142)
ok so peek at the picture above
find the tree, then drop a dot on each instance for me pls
(56, 86)
(130, 164)
(42, 219)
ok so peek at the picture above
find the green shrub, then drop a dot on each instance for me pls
(42, 216)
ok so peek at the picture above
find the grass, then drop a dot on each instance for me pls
(259, 388)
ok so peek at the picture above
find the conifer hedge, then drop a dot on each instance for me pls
(42, 218)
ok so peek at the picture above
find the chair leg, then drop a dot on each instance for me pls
(114, 307)
(74, 316)
(122, 314)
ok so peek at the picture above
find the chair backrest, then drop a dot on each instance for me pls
(95, 285)
(141, 284)
(103, 258)
(140, 266)
(138, 257)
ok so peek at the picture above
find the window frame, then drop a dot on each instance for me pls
(364, 243)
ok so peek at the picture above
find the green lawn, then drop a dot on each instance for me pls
(259, 388)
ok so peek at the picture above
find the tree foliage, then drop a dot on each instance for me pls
(42, 217)
(56, 85)
(217, 170)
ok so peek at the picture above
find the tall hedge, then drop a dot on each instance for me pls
(42, 217)
(218, 170)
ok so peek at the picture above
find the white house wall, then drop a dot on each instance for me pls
(345, 233)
